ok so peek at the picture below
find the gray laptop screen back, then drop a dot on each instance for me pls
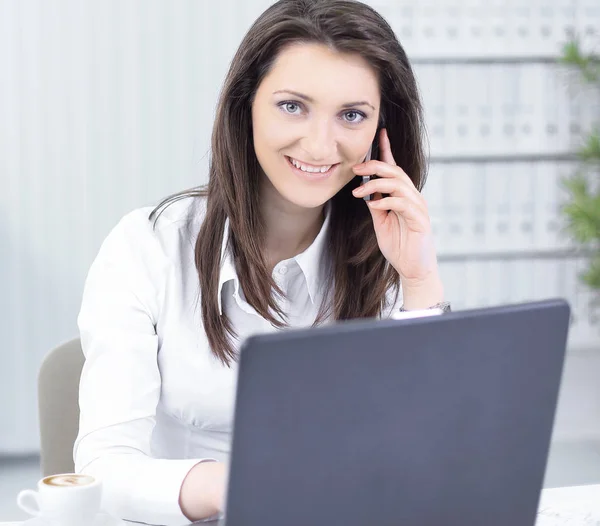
(435, 421)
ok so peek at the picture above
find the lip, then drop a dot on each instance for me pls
(319, 176)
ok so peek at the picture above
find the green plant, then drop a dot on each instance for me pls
(582, 209)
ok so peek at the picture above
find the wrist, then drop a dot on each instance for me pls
(423, 294)
(202, 491)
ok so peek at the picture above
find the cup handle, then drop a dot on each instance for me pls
(24, 500)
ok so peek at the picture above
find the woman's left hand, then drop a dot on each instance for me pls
(402, 224)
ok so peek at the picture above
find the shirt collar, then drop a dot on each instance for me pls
(228, 272)
(310, 261)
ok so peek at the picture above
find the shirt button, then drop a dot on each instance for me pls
(283, 270)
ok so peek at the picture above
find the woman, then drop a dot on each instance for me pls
(282, 236)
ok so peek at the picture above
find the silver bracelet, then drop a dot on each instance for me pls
(444, 306)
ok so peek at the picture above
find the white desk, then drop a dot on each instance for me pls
(576, 506)
(569, 506)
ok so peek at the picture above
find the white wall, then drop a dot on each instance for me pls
(106, 106)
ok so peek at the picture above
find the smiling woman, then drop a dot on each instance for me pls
(309, 86)
(281, 237)
(314, 127)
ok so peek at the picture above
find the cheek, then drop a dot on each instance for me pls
(270, 134)
(356, 143)
(356, 146)
(274, 140)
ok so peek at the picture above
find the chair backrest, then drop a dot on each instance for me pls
(58, 403)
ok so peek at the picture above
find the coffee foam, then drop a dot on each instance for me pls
(71, 479)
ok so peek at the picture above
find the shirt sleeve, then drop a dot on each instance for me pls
(394, 304)
(120, 382)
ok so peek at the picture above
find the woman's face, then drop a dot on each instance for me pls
(314, 117)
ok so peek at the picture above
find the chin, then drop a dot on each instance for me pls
(304, 198)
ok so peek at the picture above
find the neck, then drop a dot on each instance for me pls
(289, 229)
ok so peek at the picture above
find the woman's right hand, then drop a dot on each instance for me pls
(202, 493)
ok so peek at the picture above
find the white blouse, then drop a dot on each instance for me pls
(154, 400)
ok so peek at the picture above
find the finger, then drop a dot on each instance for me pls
(393, 187)
(388, 187)
(382, 170)
(378, 216)
(405, 208)
(385, 148)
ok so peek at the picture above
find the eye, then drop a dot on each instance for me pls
(354, 117)
(290, 107)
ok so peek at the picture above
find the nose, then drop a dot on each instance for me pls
(320, 143)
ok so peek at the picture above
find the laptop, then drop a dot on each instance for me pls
(438, 420)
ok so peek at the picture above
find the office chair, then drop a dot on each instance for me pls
(58, 404)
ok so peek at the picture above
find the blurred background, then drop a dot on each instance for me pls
(106, 106)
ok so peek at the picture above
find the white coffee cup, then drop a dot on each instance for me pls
(66, 499)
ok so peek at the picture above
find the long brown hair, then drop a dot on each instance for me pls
(358, 274)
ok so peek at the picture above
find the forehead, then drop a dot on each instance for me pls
(323, 74)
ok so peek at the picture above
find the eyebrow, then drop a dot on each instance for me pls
(310, 99)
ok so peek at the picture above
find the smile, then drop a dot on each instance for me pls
(310, 168)
(309, 171)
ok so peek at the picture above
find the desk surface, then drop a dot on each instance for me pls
(578, 505)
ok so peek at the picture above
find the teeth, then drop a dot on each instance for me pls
(311, 169)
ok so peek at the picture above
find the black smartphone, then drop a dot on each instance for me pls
(373, 153)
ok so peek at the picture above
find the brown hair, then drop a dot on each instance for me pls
(358, 274)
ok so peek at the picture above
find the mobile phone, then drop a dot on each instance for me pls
(372, 153)
(367, 178)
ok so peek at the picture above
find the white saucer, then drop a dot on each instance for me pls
(102, 519)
